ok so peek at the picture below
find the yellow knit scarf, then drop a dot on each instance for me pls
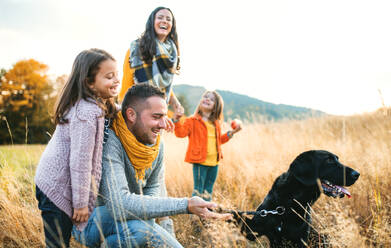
(140, 155)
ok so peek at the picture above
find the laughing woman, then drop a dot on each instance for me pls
(154, 58)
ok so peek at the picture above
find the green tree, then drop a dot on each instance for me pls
(26, 94)
(184, 102)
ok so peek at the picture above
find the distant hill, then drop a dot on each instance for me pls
(245, 107)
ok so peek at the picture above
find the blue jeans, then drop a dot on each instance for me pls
(102, 228)
(204, 178)
(57, 224)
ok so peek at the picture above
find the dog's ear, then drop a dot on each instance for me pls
(305, 169)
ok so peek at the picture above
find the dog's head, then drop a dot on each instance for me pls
(312, 165)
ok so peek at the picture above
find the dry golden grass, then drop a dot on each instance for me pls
(252, 160)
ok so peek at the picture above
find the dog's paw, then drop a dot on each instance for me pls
(250, 236)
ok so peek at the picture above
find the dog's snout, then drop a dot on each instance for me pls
(355, 175)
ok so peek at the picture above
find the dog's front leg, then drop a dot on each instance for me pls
(246, 226)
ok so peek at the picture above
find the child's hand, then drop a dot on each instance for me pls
(177, 115)
(80, 214)
(236, 126)
(179, 111)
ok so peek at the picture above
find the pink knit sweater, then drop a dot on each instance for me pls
(71, 163)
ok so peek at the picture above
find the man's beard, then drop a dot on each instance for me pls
(140, 133)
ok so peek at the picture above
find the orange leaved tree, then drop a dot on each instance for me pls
(26, 94)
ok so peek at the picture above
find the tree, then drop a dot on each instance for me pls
(26, 94)
(185, 104)
(2, 80)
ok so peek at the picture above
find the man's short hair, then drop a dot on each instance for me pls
(139, 93)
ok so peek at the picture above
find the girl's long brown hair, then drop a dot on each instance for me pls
(217, 111)
(84, 69)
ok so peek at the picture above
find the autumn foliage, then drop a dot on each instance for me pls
(26, 95)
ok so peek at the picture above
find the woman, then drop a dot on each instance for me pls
(154, 58)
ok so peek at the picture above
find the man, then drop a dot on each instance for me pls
(132, 177)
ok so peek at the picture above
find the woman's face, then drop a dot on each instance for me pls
(163, 24)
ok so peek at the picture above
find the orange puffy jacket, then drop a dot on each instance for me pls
(195, 128)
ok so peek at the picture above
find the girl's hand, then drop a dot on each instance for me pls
(80, 214)
(177, 116)
(169, 125)
(237, 129)
(236, 126)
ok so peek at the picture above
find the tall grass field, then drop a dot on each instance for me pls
(252, 160)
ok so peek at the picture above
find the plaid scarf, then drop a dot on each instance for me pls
(161, 72)
(141, 156)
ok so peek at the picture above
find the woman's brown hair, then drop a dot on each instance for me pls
(147, 40)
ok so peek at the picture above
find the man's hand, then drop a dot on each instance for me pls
(80, 214)
(198, 206)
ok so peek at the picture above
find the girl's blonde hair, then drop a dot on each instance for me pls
(84, 70)
(217, 111)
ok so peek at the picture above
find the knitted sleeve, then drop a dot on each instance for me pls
(83, 128)
(115, 190)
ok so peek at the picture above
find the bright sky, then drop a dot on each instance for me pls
(333, 55)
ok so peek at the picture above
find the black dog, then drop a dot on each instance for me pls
(293, 193)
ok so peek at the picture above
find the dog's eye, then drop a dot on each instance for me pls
(330, 160)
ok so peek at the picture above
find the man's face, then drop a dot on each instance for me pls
(150, 120)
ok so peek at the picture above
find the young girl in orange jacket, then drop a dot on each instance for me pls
(205, 140)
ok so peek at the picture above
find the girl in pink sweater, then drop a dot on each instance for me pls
(69, 172)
